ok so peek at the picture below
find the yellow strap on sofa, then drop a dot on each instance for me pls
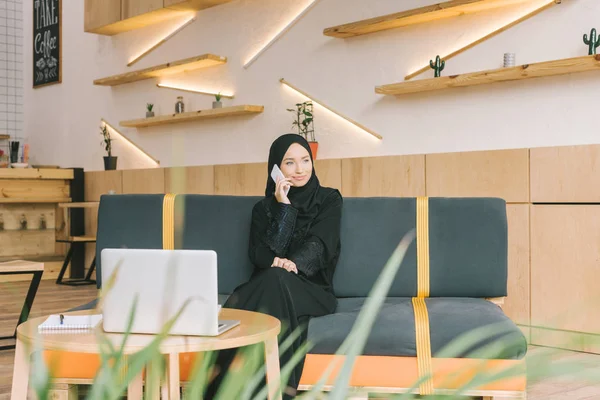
(169, 221)
(422, 247)
(423, 341)
(422, 333)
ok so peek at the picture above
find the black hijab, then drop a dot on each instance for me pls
(306, 198)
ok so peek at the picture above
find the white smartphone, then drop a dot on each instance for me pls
(276, 173)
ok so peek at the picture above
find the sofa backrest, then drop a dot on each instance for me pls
(467, 246)
(467, 239)
(128, 221)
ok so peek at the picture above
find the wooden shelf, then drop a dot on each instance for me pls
(528, 71)
(188, 64)
(90, 204)
(454, 8)
(4, 136)
(78, 239)
(35, 173)
(233, 111)
(111, 17)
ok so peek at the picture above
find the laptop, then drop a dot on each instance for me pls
(162, 282)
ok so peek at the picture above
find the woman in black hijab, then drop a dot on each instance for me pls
(294, 246)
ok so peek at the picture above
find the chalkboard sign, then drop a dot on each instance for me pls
(47, 41)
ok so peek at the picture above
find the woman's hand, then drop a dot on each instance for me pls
(286, 264)
(280, 188)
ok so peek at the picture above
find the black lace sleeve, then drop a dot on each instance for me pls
(270, 232)
(309, 259)
(282, 219)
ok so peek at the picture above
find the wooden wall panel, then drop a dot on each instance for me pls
(564, 267)
(516, 305)
(501, 173)
(394, 176)
(329, 173)
(190, 180)
(144, 181)
(565, 174)
(241, 179)
(98, 183)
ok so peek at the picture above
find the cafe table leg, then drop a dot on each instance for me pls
(153, 380)
(20, 371)
(170, 389)
(135, 388)
(272, 366)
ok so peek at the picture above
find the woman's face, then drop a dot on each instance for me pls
(297, 165)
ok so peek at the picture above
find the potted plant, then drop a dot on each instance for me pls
(149, 112)
(217, 103)
(304, 122)
(110, 162)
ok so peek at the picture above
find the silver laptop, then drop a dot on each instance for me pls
(162, 282)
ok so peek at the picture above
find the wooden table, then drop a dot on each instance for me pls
(20, 267)
(254, 328)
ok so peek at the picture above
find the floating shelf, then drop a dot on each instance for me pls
(4, 137)
(420, 15)
(189, 64)
(193, 116)
(527, 71)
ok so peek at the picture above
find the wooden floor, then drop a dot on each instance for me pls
(54, 298)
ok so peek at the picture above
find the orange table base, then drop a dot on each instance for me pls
(369, 371)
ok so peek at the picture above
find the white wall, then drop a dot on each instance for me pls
(62, 120)
(11, 72)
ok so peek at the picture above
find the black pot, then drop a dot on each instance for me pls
(110, 163)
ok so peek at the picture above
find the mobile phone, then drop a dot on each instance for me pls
(276, 173)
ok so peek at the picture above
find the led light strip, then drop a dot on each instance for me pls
(488, 36)
(162, 41)
(131, 143)
(364, 128)
(173, 87)
(281, 33)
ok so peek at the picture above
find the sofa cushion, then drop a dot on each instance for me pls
(371, 230)
(222, 224)
(467, 246)
(393, 333)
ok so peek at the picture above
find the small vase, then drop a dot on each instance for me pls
(314, 147)
(110, 163)
(179, 106)
(149, 114)
(217, 104)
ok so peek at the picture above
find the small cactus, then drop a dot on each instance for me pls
(438, 67)
(593, 42)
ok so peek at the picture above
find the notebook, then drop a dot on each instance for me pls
(70, 322)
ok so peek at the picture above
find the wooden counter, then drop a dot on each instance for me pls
(30, 221)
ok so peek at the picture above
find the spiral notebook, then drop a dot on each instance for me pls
(70, 322)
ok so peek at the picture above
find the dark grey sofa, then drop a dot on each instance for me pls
(468, 263)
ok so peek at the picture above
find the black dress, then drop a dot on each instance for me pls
(307, 232)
